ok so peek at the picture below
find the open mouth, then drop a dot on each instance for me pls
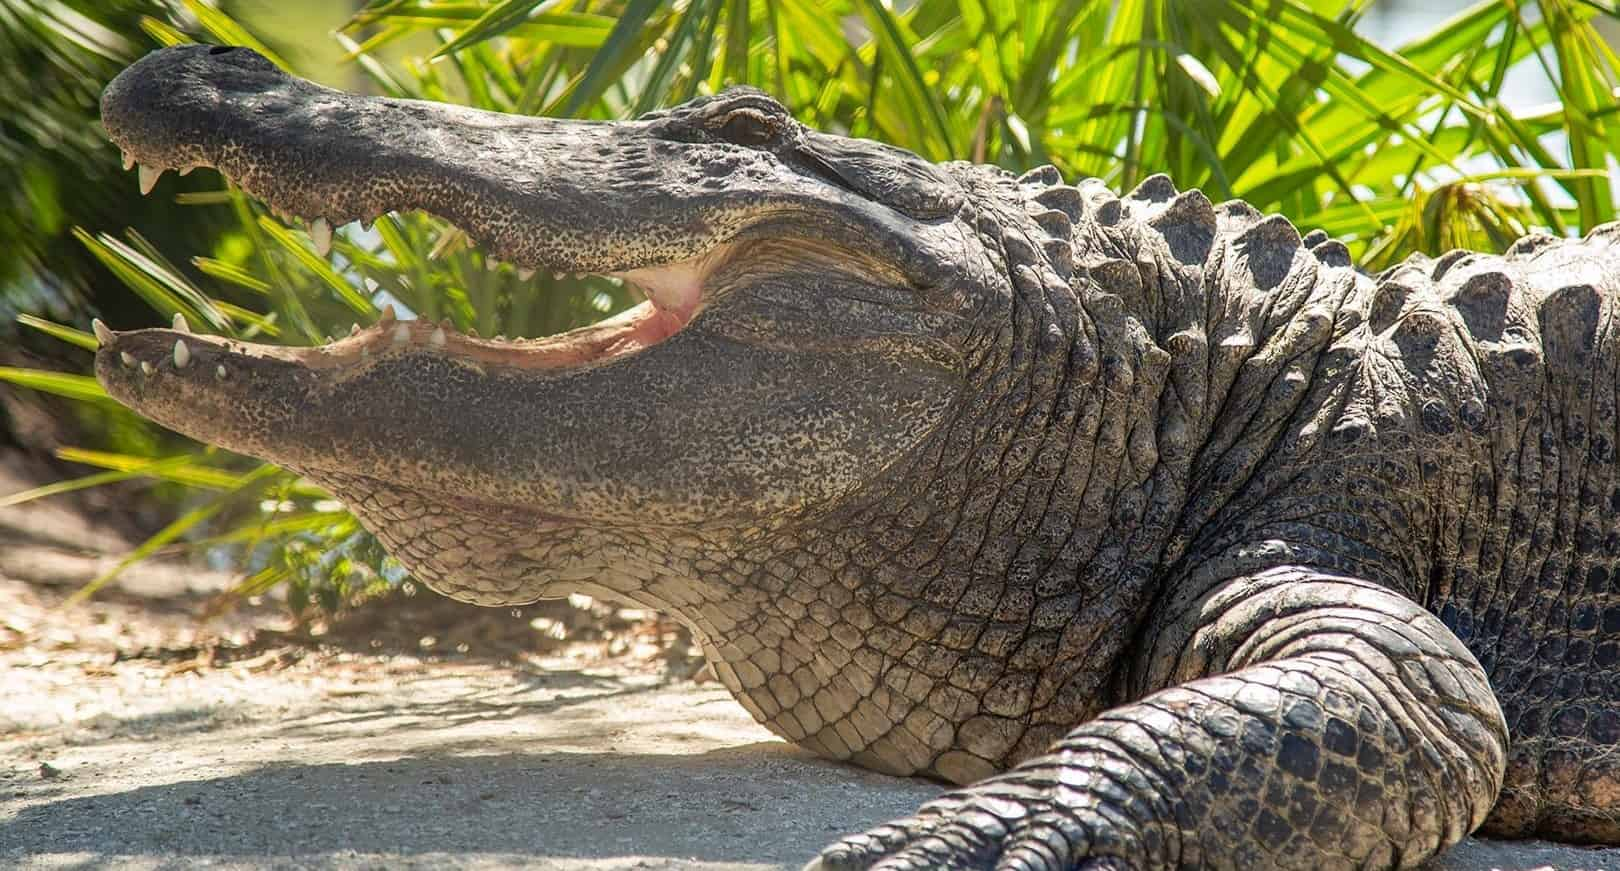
(537, 193)
(674, 293)
(681, 204)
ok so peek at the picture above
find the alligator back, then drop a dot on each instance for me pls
(1512, 364)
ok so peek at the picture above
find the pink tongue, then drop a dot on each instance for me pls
(675, 288)
(674, 294)
(639, 327)
(650, 328)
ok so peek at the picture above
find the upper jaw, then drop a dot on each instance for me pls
(537, 192)
(541, 193)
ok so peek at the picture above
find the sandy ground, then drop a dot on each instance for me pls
(360, 761)
(404, 764)
(131, 736)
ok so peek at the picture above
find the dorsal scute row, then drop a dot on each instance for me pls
(1187, 221)
(1493, 302)
(1518, 310)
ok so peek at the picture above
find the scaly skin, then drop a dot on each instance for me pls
(1173, 538)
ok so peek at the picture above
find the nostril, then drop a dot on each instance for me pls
(222, 49)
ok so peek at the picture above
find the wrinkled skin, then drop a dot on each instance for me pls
(1172, 538)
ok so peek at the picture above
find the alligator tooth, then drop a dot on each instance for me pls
(180, 324)
(387, 316)
(186, 170)
(127, 358)
(326, 339)
(103, 335)
(149, 178)
(472, 331)
(182, 354)
(219, 371)
(525, 274)
(147, 368)
(354, 329)
(500, 337)
(402, 333)
(320, 230)
(129, 160)
(446, 243)
(438, 337)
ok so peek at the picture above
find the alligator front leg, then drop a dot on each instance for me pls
(1347, 727)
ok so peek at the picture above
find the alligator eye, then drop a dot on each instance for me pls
(748, 127)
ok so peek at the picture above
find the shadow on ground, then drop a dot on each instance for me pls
(741, 806)
(473, 768)
(380, 764)
(754, 806)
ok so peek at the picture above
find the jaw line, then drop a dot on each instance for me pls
(674, 296)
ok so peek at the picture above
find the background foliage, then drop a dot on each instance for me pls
(1284, 103)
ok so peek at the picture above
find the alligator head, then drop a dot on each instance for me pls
(761, 447)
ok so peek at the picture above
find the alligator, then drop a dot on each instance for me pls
(1160, 531)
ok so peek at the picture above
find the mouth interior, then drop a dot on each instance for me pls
(674, 294)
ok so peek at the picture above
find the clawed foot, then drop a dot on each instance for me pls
(973, 832)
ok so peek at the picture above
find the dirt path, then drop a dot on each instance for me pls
(131, 737)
